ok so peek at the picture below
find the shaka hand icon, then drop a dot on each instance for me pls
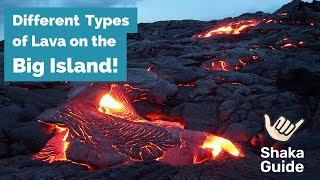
(282, 129)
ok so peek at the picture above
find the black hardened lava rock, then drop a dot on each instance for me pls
(1, 46)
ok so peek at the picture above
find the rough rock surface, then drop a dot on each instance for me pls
(272, 68)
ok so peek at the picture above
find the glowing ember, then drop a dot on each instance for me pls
(109, 132)
(289, 45)
(231, 28)
(271, 20)
(248, 60)
(149, 68)
(271, 47)
(219, 65)
(242, 62)
(255, 57)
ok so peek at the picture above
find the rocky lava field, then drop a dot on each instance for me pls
(218, 77)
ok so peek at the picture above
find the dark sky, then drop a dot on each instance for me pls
(156, 10)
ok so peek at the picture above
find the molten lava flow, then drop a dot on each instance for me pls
(111, 106)
(219, 65)
(271, 20)
(56, 148)
(217, 143)
(109, 132)
(116, 104)
(107, 104)
(231, 28)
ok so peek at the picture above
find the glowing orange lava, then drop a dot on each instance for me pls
(219, 65)
(231, 28)
(255, 57)
(271, 20)
(116, 104)
(107, 103)
(111, 106)
(217, 144)
(131, 137)
(271, 47)
(289, 45)
(56, 148)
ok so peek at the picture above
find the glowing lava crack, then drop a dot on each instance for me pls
(231, 28)
(99, 128)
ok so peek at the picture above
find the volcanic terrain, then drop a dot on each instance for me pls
(193, 106)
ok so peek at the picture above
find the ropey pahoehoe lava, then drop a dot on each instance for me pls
(100, 128)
